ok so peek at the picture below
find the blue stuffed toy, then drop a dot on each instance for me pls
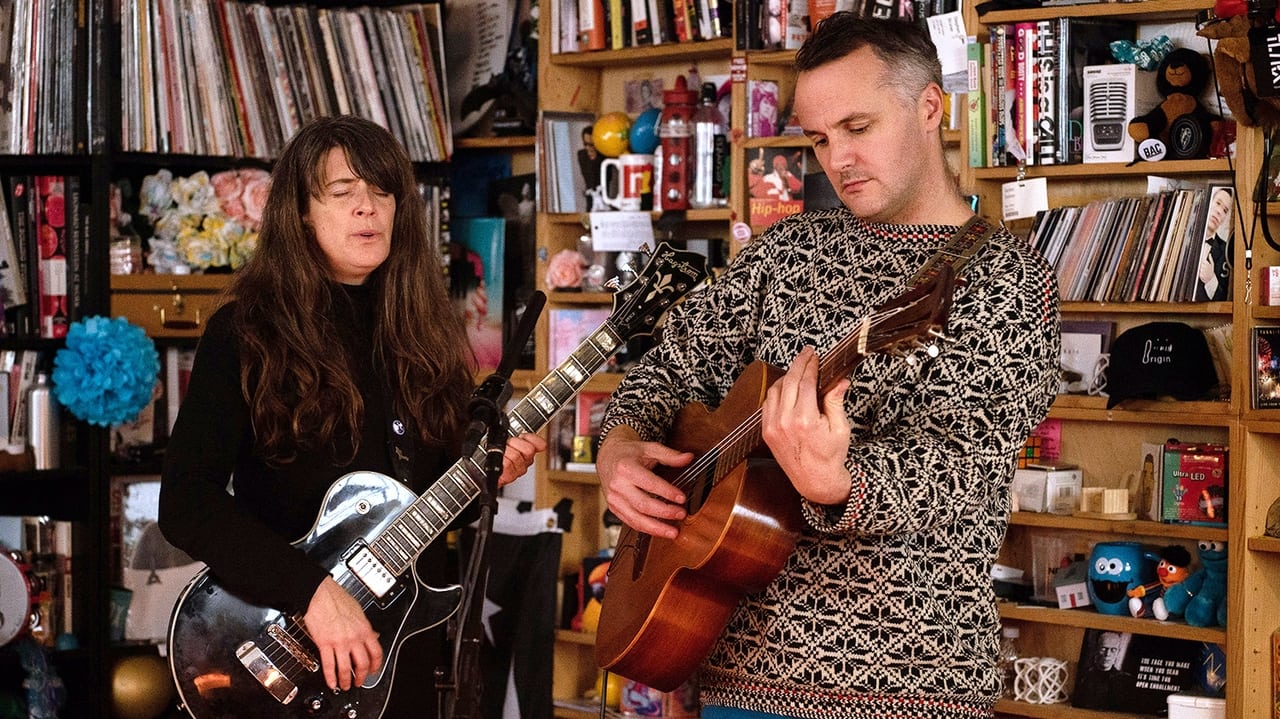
(1202, 597)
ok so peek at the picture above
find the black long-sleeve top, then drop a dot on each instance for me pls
(245, 537)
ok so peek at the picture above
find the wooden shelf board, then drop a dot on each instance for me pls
(560, 475)
(514, 142)
(1147, 10)
(1266, 312)
(1109, 169)
(646, 55)
(1264, 544)
(785, 58)
(1057, 711)
(166, 283)
(1094, 409)
(1135, 527)
(583, 709)
(1089, 619)
(1262, 421)
(563, 297)
(1161, 308)
(714, 214)
(572, 637)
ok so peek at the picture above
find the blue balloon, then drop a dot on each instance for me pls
(644, 132)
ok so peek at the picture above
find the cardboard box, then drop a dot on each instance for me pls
(1112, 95)
(1048, 488)
(1194, 484)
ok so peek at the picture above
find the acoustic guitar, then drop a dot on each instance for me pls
(666, 601)
(231, 658)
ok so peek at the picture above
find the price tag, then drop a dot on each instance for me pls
(1024, 198)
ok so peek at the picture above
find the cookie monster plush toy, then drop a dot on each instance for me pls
(1202, 597)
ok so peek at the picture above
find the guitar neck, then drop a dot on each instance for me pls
(422, 522)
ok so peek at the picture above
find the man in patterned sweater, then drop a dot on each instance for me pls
(885, 608)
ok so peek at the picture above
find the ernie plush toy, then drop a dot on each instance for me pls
(1172, 569)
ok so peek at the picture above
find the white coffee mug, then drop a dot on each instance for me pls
(635, 175)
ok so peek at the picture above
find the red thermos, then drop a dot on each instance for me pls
(675, 137)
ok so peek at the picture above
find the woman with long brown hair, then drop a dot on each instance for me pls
(339, 350)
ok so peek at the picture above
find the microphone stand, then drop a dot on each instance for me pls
(488, 425)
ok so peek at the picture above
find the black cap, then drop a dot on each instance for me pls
(1160, 359)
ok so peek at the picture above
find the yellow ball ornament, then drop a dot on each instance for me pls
(611, 133)
(140, 687)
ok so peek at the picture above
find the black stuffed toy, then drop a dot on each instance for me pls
(1179, 121)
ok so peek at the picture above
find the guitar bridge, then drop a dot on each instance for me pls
(266, 673)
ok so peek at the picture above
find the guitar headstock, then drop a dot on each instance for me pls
(668, 276)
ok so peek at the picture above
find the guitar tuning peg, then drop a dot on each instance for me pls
(645, 249)
(932, 350)
(935, 333)
(612, 284)
(910, 358)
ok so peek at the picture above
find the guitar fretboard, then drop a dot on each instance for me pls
(426, 519)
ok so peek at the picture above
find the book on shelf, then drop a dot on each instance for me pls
(1024, 88)
(20, 369)
(762, 108)
(568, 163)
(1045, 78)
(49, 214)
(775, 183)
(976, 101)
(1266, 367)
(13, 287)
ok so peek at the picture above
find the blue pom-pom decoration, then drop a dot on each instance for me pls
(106, 373)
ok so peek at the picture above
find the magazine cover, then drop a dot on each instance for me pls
(475, 282)
(775, 181)
(1212, 281)
(512, 198)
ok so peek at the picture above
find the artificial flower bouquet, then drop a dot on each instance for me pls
(203, 222)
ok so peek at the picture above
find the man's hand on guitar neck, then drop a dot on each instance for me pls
(643, 500)
(348, 646)
(808, 441)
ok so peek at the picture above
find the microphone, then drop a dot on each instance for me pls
(485, 408)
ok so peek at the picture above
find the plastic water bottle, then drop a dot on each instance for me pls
(1008, 655)
(711, 152)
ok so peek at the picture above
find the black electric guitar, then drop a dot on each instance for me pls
(231, 658)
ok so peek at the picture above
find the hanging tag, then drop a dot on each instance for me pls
(1024, 198)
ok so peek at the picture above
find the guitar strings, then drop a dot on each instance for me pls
(692, 476)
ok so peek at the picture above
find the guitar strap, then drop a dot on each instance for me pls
(964, 244)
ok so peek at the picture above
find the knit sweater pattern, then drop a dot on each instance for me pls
(886, 608)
